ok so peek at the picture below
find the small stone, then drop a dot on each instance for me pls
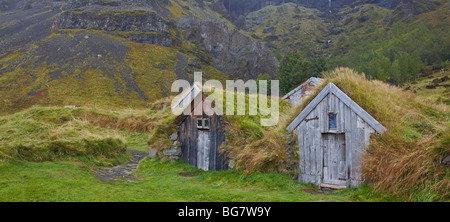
(152, 153)
(446, 161)
(174, 136)
(231, 164)
(172, 152)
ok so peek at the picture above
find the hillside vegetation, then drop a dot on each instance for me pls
(114, 53)
(386, 44)
(51, 134)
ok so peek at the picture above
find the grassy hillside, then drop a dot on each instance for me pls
(289, 26)
(126, 74)
(433, 88)
(46, 60)
(50, 134)
(313, 32)
(367, 38)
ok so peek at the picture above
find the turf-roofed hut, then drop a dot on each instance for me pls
(200, 134)
(299, 94)
(332, 132)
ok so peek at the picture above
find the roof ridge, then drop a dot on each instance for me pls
(332, 88)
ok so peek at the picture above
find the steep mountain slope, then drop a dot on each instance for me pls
(116, 53)
(127, 53)
(238, 8)
(387, 42)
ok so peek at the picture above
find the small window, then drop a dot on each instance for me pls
(332, 121)
(205, 123)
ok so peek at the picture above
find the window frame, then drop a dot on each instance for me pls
(200, 126)
(335, 121)
(203, 121)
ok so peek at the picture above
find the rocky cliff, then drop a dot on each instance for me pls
(238, 7)
(232, 51)
(118, 53)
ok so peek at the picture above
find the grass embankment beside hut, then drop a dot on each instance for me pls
(43, 134)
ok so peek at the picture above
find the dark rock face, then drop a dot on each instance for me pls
(143, 21)
(232, 52)
(409, 8)
(140, 26)
(151, 38)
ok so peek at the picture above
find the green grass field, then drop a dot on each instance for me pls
(160, 181)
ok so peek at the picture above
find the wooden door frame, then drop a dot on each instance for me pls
(333, 183)
(206, 166)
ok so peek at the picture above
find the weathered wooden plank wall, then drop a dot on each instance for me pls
(334, 153)
(191, 137)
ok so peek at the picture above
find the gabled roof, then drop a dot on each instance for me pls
(315, 80)
(192, 100)
(191, 105)
(187, 98)
(331, 88)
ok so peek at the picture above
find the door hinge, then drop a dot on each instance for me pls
(307, 120)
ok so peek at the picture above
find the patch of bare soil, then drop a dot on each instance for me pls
(319, 192)
(123, 171)
(186, 175)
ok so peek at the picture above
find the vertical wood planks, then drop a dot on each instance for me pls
(192, 139)
(331, 156)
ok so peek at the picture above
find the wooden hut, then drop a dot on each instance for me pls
(332, 132)
(201, 135)
(297, 95)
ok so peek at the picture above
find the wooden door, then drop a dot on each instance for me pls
(203, 149)
(334, 159)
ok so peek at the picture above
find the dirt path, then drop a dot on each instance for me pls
(123, 171)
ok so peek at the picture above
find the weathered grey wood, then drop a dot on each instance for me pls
(307, 144)
(332, 186)
(203, 150)
(314, 145)
(301, 150)
(317, 144)
(308, 108)
(332, 156)
(297, 95)
(357, 109)
(331, 88)
(209, 157)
